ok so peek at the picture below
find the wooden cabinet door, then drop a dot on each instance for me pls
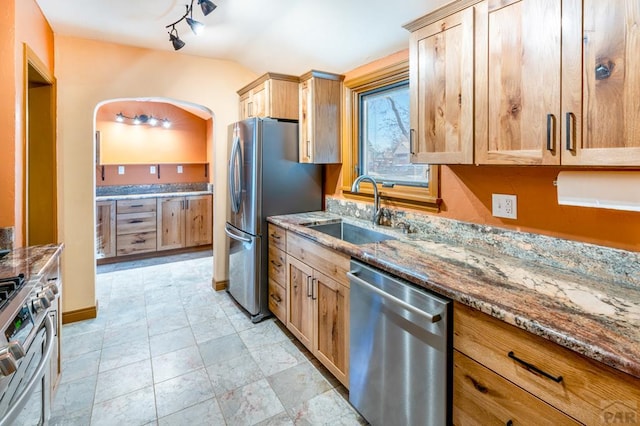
(306, 122)
(601, 83)
(259, 100)
(171, 218)
(245, 100)
(198, 220)
(441, 80)
(518, 74)
(105, 229)
(299, 301)
(331, 313)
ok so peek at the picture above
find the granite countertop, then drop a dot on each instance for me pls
(594, 317)
(152, 195)
(30, 261)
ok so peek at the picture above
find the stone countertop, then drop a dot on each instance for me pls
(596, 318)
(30, 261)
(153, 195)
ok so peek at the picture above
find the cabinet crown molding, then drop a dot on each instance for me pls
(265, 77)
(436, 15)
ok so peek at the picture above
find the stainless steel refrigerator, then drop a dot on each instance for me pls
(265, 179)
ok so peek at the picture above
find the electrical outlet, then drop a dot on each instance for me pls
(179, 169)
(152, 170)
(120, 170)
(504, 206)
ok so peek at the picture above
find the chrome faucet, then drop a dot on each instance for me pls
(377, 211)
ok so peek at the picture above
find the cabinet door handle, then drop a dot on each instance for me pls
(276, 264)
(314, 283)
(412, 132)
(186, 204)
(309, 287)
(569, 126)
(533, 368)
(551, 146)
(274, 236)
(309, 150)
(276, 298)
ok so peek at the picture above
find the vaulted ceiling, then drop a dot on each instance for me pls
(287, 36)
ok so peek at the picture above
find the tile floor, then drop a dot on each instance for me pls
(168, 350)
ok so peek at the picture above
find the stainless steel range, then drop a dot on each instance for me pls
(27, 342)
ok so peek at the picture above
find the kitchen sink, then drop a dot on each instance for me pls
(351, 233)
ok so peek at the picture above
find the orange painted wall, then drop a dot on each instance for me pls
(139, 174)
(126, 143)
(21, 22)
(466, 192)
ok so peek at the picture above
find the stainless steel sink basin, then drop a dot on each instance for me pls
(351, 233)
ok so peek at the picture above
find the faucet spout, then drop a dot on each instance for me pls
(377, 211)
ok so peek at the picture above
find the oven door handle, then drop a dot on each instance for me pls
(23, 398)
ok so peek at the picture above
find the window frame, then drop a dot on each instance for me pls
(400, 195)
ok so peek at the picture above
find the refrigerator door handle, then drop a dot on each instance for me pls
(234, 236)
(235, 176)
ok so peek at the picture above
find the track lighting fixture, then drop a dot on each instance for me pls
(197, 27)
(143, 119)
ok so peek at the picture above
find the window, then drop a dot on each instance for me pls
(384, 137)
(377, 128)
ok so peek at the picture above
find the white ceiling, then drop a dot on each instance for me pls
(287, 36)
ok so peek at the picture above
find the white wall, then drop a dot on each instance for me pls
(89, 72)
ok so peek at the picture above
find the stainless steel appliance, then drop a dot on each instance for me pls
(265, 179)
(27, 343)
(400, 347)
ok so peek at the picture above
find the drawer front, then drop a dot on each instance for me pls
(330, 262)
(586, 389)
(481, 397)
(136, 243)
(277, 237)
(278, 301)
(136, 206)
(277, 265)
(135, 223)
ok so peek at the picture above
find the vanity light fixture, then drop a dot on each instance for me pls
(197, 27)
(143, 119)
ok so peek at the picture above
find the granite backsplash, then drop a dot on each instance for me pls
(616, 265)
(102, 191)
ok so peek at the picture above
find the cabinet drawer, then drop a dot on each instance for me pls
(277, 237)
(331, 263)
(136, 206)
(132, 223)
(142, 242)
(586, 388)
(481, 397)
(278, 301)
(277, 265)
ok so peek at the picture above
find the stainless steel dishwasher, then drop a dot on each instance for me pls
(400, 350)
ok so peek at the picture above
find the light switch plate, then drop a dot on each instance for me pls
(120, 170)
(179, 169)
(152, 170)
(505, 206)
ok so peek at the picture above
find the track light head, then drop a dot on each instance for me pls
(175, 40)
(166, 123)
(152, 121)
(119, 117)
(207, 6)
(196, 27)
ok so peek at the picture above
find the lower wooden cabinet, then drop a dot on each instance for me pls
(318, 305)
(580, 387)
(184, 221)
(105, 229)
(309, 293)
(135, 226)
(482, 397)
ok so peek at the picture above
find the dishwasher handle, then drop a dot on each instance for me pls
(433, 318)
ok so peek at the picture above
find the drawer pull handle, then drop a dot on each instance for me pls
(509, 423)
(533, 368)
(137, 205)
(276, 264)
(275, 237)
(135, 221)
(276, 298)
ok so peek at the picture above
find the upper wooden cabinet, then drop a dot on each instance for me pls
(320, 100)
(553, 83)
(600, 83)
(271, 95)
(518, 54)
(441, 80)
